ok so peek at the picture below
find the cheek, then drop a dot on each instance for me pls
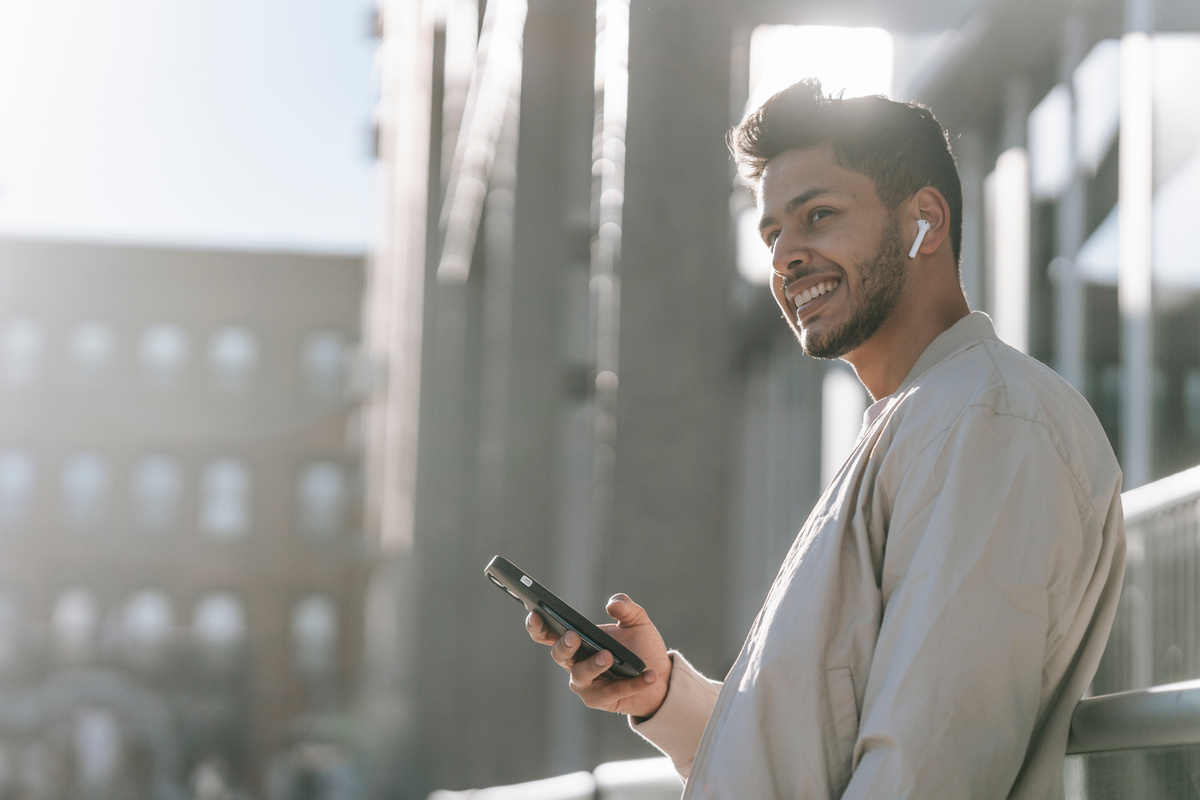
(835, 242)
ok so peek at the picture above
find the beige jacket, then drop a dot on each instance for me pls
(940, 613)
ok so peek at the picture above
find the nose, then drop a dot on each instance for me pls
(788, 256)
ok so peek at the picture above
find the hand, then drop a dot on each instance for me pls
(640, 696)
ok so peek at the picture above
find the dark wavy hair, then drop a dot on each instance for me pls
(901, 147)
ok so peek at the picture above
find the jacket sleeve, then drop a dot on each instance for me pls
(990, 543)
(678, 725)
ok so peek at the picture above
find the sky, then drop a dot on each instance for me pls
(241, 124)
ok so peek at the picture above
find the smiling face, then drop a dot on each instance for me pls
(836, 250)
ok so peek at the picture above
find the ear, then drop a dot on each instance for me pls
(927, 204)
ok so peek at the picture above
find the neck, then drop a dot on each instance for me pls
(884, 361)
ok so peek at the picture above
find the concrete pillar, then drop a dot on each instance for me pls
(550, 247)
(1134, 282)
(462, 413)
(970, 151)
(393, 311)
(779, 479)
(673, 443)
(1070, 229)
(504, 490)
(1010, 278)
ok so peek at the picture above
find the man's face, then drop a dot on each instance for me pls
(836, 250)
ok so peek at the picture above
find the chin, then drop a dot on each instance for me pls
(826, 345)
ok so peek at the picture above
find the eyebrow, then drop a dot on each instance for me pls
(793, 204)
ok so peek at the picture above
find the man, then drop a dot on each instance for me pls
(945, 605)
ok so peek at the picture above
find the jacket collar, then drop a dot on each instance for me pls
(973, 328)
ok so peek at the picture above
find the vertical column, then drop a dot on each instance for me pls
(589, 427)
(464, 422)
(970, 152)
(392, 338)
(446, 512)
(778, 479)
(1135, 194)
(674, 446)
(538, 521)
(393, 306)
(1010, 278)
(608, 201)
(514, 691)
(1134, 283)
(1071, 224)
(497, 314)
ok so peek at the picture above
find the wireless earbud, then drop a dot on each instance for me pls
(922, 229)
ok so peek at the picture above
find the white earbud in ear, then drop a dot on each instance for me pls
(922, 229)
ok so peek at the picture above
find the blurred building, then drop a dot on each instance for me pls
(182, 571)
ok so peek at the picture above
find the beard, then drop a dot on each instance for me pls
(880, 282)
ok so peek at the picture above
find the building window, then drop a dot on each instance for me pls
(233, 358)
(325, 363)
(322, 499)
(219, 620)
(225, 499)
(148, 617)
(85, 488)
(73, 624)
(147, 625)
(21, 346)
(219, 627)
(157, 492)
(91, 350)
(98, 751)
(18, 481)
(314, 635)
(163, 354)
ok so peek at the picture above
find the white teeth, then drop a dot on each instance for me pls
(814, 292)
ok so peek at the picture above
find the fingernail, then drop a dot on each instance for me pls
(650, 677)
(601, 659)
(617, 598)
(569, 639)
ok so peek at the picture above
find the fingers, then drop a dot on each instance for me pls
(626, 612)
(563, 651)
(586, 671)
(537, 629)
(607, 695)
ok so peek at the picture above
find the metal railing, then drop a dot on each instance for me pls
(1161, 716)
(637, 779)
(1155, 637)
(1140, 736)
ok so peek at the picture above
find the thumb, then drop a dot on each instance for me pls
(626, 612)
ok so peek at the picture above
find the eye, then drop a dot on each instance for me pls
(818, 214)
(770, 238)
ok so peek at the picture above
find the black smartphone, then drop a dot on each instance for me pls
(561, 618)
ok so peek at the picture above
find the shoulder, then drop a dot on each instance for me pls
(989, 383)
